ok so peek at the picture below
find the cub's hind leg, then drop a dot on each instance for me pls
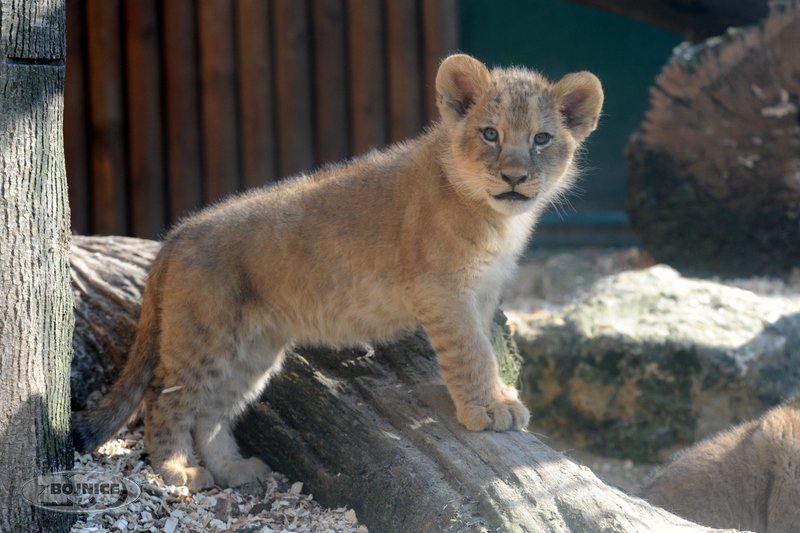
(168, 421)
(230, 392)
(195, 344)
(220, 453)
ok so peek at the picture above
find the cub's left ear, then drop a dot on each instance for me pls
(579, 97)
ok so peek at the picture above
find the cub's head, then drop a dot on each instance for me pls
(512, 133)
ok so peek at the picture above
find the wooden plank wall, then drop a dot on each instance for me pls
(172, 104)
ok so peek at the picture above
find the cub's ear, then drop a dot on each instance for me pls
(461, 80)
(579, 97)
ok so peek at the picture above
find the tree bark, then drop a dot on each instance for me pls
(372, 428)
(714, 173)
(694, 20)
(35, 301)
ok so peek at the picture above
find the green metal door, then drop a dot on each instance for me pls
(555, 37)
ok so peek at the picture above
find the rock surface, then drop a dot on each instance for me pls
(648, 361)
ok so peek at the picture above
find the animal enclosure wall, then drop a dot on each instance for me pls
(172, 104)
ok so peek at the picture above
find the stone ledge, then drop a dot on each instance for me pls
(648, 361)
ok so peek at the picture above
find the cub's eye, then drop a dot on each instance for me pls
(540, 139)
(490, 135)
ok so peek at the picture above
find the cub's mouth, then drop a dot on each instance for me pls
(514, 196)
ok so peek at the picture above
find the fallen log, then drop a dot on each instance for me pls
(714, 174)
(370, 427)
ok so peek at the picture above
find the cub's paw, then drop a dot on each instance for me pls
(242, 472)
(194, 477)
(500, 415)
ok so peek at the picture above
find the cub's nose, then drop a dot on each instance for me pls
(514, 180)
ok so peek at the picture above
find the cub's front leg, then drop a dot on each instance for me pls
(456, 329)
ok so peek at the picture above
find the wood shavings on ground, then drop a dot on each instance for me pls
(272, 506)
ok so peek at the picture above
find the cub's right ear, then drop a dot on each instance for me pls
(461, 80)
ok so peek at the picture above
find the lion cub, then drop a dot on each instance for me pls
(747, 477)
(423, 232)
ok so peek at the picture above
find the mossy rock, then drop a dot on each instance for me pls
(649, 361)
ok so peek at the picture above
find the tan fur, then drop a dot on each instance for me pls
(356, 252)
(746, 478)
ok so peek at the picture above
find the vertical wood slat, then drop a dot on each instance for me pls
(255, 92)
(292, 86)
(440, 38)
(218, 89)
(109, 207)
(75, 138)
(182, 102)
(145, 139)
(403, 66)
(367, 87)
(330, 80)
(324, 78)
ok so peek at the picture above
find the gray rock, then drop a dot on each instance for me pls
(648, 361)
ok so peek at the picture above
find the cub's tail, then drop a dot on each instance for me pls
(93, 428)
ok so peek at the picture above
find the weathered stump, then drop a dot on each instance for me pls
(714, 173)
(372, 428)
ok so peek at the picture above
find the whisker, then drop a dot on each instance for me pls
(561, 203)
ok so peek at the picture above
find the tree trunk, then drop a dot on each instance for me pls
(369, 427)
(35, 301)
(714, 173)
(694, 20)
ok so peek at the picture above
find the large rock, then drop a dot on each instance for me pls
(648, 361)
